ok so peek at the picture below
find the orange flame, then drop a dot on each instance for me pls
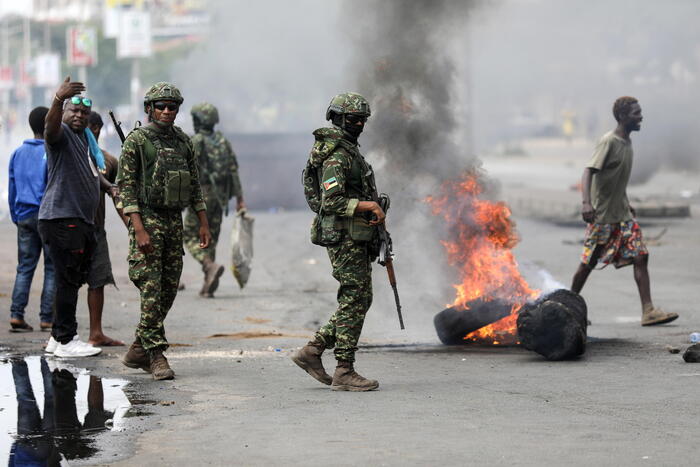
(481, 238)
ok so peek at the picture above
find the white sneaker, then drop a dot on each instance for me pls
(51, 345)
(76, 348)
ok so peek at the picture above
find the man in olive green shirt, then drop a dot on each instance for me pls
(613, 235)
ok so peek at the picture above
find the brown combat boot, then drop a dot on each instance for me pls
(309, 359)
(652, 315)
(159, 365)
(212, 274)
(347, 379)
(136, 357)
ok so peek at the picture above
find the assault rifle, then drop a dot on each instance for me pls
(386, 251)
(117, 126)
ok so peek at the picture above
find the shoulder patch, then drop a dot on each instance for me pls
(330, 183)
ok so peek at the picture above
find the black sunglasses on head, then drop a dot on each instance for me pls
(166, 105)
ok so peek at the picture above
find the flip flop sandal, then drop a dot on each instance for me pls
(110, 343)
(20, 327)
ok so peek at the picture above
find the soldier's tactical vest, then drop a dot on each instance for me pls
(327, 229)
(215, 162)
(216, 166)
(165, 175)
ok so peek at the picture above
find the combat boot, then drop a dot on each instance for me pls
(347, 379)
(212, 274)
(652, 315)
(308, 358)
(136, 357)
(159, 365)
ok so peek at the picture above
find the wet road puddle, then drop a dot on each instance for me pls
(51, 411)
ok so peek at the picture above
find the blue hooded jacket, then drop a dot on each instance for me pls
(27, 179)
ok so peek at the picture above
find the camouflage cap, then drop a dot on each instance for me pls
(207, 114)
(162, 91)
(349, 103)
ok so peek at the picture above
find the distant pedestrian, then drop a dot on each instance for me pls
(218, 176)
(613, 234)
(67, 213)
(100, 273)
(26, 188)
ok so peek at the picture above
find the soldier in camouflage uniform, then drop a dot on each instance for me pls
(346, 225)
(218, 176)
(157, 178)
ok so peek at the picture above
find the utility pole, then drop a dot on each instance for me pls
(27, 57)
(82, 75)
(48, 92)
(5, 60)
(135, 87)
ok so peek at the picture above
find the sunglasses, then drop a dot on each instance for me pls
(77, 100)
(166, 105)
(355, 119)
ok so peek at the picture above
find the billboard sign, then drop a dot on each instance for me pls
(47, 70)
(81, 46)
(134, 38)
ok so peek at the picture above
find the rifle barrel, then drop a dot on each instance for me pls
(117, 126)
(392, 281)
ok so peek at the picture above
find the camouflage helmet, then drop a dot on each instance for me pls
(162, 91)
(206, 113)
(349, 103)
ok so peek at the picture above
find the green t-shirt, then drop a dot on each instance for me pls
(612, 160)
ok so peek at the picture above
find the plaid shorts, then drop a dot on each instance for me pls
(621, 243)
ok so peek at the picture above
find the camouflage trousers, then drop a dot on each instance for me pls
(352, 269)
(214, 215)
(156, 274)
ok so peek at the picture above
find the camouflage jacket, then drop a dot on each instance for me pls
(345, 178)
(130, 178)
(218, 166)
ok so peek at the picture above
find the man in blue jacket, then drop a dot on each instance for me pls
(27, 185)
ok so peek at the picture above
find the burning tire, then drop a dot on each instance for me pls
(555, 326)
(453, 324)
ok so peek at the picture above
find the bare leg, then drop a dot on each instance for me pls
(580, 278)
(584, 270)
(96, 301)
(641, 276)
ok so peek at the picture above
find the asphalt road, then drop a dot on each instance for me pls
(239, 400)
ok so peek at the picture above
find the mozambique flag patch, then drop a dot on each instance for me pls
(330, 183)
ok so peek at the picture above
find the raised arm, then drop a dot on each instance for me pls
(68, 89)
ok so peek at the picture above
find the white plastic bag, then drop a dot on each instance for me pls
(242, 247)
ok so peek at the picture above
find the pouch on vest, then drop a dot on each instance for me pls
(360, 230)
(177, 188)
(325, 230)
(312, 192)
(170, 185)
(316, 231)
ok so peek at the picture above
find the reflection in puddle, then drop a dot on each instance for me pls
(49, 410)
